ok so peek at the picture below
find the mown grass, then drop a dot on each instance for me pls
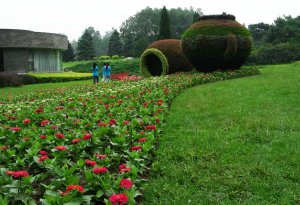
(14, 91)
(232, 142)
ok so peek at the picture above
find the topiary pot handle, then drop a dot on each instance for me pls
(231, 49)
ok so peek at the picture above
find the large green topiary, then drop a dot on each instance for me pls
(153, 62)
(216, 42)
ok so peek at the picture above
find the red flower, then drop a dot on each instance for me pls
(112, 121)
(135, 148)
(118, 199)
(102, 124)
(126, 122)
(87, 136)
(101, 156)
(59, 108)
(73, 187)
(123, 168)
(26, 121)
(43, 158)
(150, 127)
(126, 183)
(90, 162)
(157, 120)
(3, 147)
(142, 132)
(42, 152)
(45, 122)
(18, 174)
(39, 110)
(60, 147)
(100, 170)
(142, 139)
(26, 138)
(43, 137)
(60, 135)
(76, 140)
(15, 128)
(54, 127)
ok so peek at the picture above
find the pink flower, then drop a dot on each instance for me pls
(126, 183)
(136, 148)
(15, 129)
(90, 162)
(76, 140)
(112, 121)
(126, 122)
(118, 199)
(45, 122)
(42, 152)
(101, 156)
(54, 127)
(100, 170)
(87, 136)
(26, 121)
(61, 148)
(60, 135)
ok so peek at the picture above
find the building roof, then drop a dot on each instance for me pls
(13, 38)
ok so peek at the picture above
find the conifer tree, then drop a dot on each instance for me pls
(196, 17)
(165, 27)
(115, 46)
(68, 55)
(85, 48)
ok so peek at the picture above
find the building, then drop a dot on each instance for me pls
(22, 51)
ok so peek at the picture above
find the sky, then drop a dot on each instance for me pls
(71, 17)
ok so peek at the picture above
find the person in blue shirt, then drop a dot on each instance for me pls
(106, 72)
(95, 70)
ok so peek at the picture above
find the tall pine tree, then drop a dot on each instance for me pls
(115, 46)
(165, 27)
(68, 55)
(85, 48)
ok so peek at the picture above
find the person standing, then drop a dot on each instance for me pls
(106, 72)
(95, 70)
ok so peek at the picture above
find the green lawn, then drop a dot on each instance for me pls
(232, 142)
(12, 91)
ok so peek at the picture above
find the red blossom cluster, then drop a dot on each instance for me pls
(69, 188)
(118, 199)
(18, 174)
(126, 183)
(100, 170)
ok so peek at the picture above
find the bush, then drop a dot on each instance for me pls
(28, 79)
(215, 43)
(276, 54)
(10, 80)
(59, 77)
(171, 50)
(115, 57)
(104, 58)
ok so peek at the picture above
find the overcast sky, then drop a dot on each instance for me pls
(71, 17)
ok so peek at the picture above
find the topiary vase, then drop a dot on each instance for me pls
(164, 57)
(216, 42)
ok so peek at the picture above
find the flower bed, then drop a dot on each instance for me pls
(90, 144)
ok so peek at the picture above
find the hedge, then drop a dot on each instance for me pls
(154, 63)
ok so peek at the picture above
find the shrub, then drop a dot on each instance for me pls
(215, 43)
(275, 54)
(28, 79)
(10, 80)
(115, 57)
(104, 58)
(171, 49)
(59, 77)
(154, 63)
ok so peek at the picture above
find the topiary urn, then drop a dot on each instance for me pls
(164, 57)
(216, 42)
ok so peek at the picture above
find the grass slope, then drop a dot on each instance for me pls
(232, 142)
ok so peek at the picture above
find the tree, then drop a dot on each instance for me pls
(85, 48)
(97, 41)
(68, 55)
(115, 46)
(165, 27)
(196, 17)
(141, 44)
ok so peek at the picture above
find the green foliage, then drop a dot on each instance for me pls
(164, 26)
(277, 54)
(85, 48)
(140, 45)
(69, 54)
(154, 63)
(115, 45)
(171, 49)
(196, 17)
(59, 77)
(216, 44)
(104, 58)
(115, 57)
(223, 16)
